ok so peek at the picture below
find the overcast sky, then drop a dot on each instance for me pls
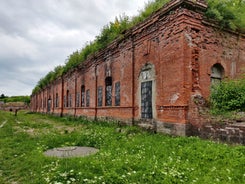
(37, 35)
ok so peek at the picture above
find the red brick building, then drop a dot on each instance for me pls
(153, 74)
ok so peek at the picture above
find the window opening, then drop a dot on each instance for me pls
(87, 98)
(117, 94)
(67, 98)
(217, 72)
(70, 100)
(108, 95)
(83, 96)
(56, 100)
(77, 99)
(100, 96)
(146, 100)
(49, 105)
(64, 101)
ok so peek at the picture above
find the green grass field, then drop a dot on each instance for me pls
(127, 154)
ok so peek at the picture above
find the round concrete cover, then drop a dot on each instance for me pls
(73, 151)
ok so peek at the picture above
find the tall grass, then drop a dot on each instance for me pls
(127, 154)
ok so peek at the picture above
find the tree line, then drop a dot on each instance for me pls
(7, 99)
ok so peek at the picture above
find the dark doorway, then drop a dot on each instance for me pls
(49, 105)
(146, 100)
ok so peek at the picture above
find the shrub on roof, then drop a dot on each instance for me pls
(229, 13)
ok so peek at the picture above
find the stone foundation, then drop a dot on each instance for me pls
(228, 133)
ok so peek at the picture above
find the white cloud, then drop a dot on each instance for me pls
(16, 46)
(36, 36)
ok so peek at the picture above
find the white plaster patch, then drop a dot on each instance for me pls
(189, 39)
(174, 98)
(74, 151)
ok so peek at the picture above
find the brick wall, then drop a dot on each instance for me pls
(173, 51)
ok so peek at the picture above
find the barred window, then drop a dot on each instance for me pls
(77, 99)
(100, 96)
(83, 96)
(64, 101)
(70, 100)
(87, 98)
(117, 94)
(108, 95)
(146, 100)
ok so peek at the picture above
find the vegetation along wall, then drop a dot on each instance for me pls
(151, 73)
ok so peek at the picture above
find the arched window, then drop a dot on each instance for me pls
(108, 91)
(83, 96)
(217, 73)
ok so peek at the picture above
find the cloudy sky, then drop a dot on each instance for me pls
(37, 35)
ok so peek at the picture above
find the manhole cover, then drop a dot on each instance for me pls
(73, 151)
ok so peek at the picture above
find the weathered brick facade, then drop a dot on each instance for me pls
(151, 76)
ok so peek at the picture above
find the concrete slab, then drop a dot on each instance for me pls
(73, 151)
(1, 126)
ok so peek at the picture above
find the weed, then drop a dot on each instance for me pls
(126, 156)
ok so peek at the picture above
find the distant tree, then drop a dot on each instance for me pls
(25, 99)
(2, 96)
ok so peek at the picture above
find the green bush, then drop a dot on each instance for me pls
(228, 96)
(229, 14)
(25, 99)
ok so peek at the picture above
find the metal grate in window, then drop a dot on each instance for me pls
(117, 94)
(83, 96)
(100, 96)
(87, 98)
(108, 90)
(146, 100)
(77, 99)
